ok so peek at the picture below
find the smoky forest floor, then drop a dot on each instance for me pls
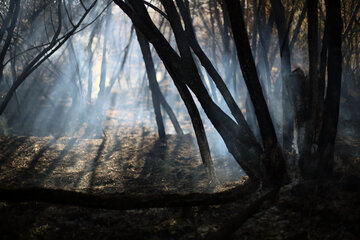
(136, 163)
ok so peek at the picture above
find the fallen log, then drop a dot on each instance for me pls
(124, 201)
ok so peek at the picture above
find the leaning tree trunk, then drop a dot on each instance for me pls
(206, 63)
(243, 147)
(297, 28)
(11, 17)
(150, 70)
(170, 112)
(182, 88)
(273, 162)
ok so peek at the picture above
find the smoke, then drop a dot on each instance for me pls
(4, 128)
(52, 101)
(63, 96)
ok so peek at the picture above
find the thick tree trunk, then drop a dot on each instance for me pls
(332, 100)
(251, 118)
(322, 76)
(311, 118)
(274, 163)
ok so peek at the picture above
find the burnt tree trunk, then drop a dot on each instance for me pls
(332, 101)
(280, 21)
(297, 28)
(206, 63)
(273, 162)
(322, 76)
(154, 88)
(171, 113)
(260, 19)
(11, 18)
(311, 118)
(244, 148)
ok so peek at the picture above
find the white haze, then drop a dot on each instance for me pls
(64, 110)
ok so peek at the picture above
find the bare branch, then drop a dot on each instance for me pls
(156, 9)
(68, 15)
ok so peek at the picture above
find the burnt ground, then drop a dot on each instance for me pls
(136, 163)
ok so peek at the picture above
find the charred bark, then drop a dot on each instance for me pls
(328, 132)
(154, 87)
(273, 162)
(244, 148)
(311, 122)
(171, 114)
(11, 17)
(206, 63)
(297, 28)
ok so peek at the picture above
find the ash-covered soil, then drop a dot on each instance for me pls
(136, 163)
